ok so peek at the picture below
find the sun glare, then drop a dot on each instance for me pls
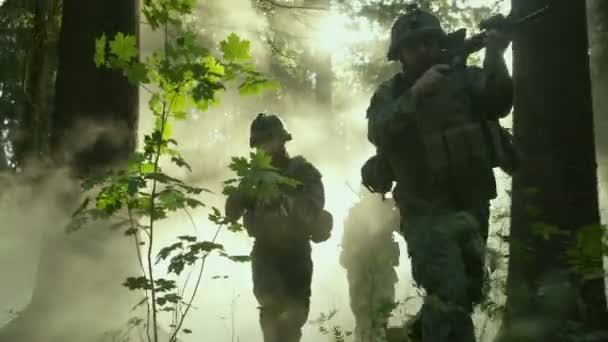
(335, 32)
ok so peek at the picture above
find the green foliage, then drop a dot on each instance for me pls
(100, 50)
(20, 37)
(585, 257)
(577, 332)
(182, 77)
(336, 332)
(257, 178)
(235, 49)
(123, 47)
(164, 12)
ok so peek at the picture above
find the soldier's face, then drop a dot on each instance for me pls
(271, 146)
(421, 55)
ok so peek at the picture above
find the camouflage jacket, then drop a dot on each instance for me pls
(436, 147)
(278, 224)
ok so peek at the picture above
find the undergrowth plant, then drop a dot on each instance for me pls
(181, 77)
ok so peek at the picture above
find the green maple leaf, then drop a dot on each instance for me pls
(137, 73)
(239, 165)
(214, 68)
(124, 47)
(235, 49)
(261, 160)
(100, 50)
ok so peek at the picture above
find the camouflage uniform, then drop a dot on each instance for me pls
(436, 150)
(281, 256)
(369, 254)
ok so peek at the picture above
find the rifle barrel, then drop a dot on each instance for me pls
(534, 15)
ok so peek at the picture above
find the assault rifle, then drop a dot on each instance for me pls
(457, 48)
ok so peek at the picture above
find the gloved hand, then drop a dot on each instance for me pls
(496, 42)
(429, 81)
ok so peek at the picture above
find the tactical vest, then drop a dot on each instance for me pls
(453, 136)
(272, 228)
(448, 142)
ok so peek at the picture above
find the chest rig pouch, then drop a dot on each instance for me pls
(455, 140)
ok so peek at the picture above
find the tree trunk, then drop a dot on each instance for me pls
(15, 44)
(557, 184)
(96, 110)
(597, 11)
(34, 128)
(78, 294)
(320, 63)
(324, 82)
(29, 126)
(597, 23)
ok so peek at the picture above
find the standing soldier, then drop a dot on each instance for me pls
(429, 124)
(370, 254)
(281, 256)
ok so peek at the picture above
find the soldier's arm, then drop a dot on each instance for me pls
(235, 207)
(386, 113)
(498, 89)
(309, 198)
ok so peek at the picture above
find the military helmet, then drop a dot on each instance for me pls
(266, 126)
(412, 25)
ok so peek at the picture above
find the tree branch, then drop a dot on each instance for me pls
(286, 6)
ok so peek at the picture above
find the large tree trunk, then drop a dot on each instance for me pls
(597, 11)
(96, 110)
(597, 23)
(557, 184)
(78, 294)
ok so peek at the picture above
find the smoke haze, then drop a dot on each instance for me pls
(225, 309)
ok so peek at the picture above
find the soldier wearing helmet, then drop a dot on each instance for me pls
(428, 126)
(370, 255)
(281, 256)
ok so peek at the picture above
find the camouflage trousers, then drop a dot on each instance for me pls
(281, 285)
(372, 297)
(447, 251)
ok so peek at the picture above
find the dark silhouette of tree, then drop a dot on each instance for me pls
(78, 294)
(555, 284)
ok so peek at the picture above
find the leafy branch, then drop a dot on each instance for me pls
(182, 77)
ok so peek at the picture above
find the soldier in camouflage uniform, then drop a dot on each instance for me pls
(281, 256)
(430, 125)
(369, 254)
